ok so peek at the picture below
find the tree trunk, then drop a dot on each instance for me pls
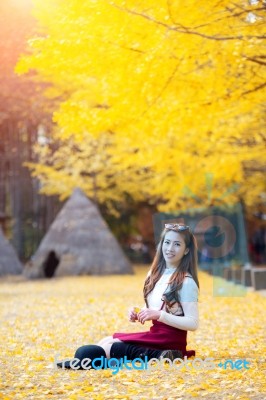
(145, 226)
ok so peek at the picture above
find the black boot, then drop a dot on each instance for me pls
(171, 354)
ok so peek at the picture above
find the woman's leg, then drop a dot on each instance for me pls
(132, 351)
(106, 344)
(107, 340)
(90, 352)
(84, 357)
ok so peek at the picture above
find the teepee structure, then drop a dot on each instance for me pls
(9, 262)
(79, 242)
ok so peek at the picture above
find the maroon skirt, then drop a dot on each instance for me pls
(160, 336)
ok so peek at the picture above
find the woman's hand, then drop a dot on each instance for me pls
(148, 315)
(132, 315)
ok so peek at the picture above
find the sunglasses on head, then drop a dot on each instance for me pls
(177, 227)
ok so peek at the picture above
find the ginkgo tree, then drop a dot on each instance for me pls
(176, 88)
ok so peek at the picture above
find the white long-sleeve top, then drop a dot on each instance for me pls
(188, 299)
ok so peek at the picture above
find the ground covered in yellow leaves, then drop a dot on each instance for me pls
(48, 319)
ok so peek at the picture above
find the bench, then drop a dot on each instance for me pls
(258, 277)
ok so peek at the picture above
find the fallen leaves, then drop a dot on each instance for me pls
(47, 320)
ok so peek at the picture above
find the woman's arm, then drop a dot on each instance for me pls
(188, 323)
(189, 302)
(190, 320)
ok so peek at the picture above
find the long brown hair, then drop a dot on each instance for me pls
(188, 264)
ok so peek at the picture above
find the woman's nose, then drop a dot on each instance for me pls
(170, 246)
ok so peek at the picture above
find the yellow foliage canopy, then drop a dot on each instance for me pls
(178, 89)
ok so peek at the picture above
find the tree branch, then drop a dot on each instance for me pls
(167, 83)
(188, 30)
(256, 59)
(229, 16)
(255, 89)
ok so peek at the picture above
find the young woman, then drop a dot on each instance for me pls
(171, 302)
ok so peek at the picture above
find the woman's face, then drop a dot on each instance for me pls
(173, 248)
